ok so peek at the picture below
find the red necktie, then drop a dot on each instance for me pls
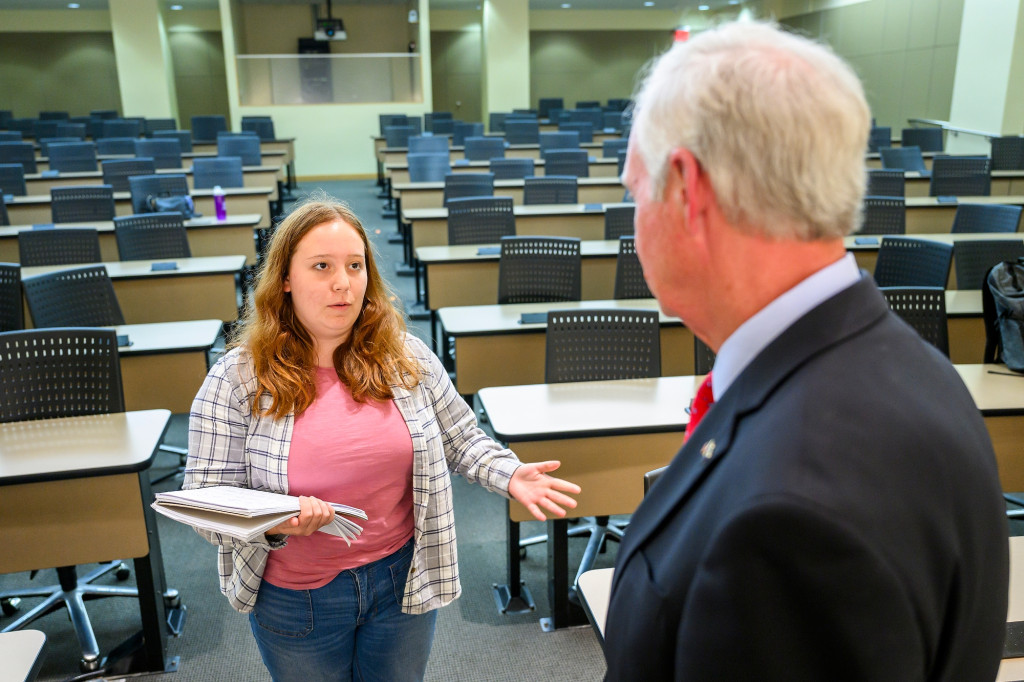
(700, 405)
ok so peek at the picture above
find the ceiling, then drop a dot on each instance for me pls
(677, 5)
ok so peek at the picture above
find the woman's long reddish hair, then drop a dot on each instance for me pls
(282, 350)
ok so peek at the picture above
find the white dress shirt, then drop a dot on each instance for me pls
(754, 335)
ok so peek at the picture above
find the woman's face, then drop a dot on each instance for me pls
(327, 281)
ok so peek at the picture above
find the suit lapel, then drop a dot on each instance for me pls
(706, 447)
(846, 314)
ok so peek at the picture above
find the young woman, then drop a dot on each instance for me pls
(326, 397)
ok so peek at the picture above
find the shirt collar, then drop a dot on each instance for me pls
(754, 335)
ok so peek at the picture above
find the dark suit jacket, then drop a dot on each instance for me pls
(849, 524)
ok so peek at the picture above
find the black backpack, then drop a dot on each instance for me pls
(1003, 309)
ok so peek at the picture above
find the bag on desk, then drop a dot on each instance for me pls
(175, 204)
(1003, 309)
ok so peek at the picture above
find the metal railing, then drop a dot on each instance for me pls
(274, 79)
(950, 128)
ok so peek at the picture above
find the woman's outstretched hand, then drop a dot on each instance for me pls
(541, 494)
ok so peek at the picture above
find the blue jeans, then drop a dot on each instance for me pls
(352, 628)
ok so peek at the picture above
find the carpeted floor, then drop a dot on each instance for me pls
(474, 642)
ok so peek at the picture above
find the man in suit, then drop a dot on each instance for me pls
(837, 513)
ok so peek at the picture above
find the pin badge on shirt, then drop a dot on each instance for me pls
(707, 451)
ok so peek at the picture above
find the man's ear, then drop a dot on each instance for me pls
(687, 178)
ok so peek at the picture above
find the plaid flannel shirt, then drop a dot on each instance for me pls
(227, 445)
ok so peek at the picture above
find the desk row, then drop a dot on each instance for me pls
(496, 346)
(388, 154)
(268, 157)
(468, 275)
(396, 168)
(607, 190)
(429, 226)
(37, 209)
(40, 184)
(163, 364)
(595, 593)
(608, 434)
(207, 236)
(397, 156)
(164, 290)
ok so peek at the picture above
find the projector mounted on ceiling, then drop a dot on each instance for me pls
(330, 29)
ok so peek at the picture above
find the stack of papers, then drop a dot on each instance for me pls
(246, 514)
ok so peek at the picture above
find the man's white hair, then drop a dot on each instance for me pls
(779, 122)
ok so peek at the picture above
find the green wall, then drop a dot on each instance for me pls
(904, 51)
(370, 26)
(76, 72)
(73, 72)
(574, 65)
(580, 65)
(199, 79)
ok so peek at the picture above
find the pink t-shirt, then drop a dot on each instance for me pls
(359, 454)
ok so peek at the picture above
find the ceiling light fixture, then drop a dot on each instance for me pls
(703, 8)
(648, 4)
(734, 2)
(73, 5)
(176, 7)
(566, 5)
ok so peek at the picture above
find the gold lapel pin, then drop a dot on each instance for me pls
(707, 451)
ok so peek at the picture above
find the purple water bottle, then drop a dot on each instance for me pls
(218, 203)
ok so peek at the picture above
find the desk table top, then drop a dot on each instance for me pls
(872, 242)
(925, 155)
(134, 269)
(35, 199)
(528, 210)
(918, 175)
(488, 319)
(213, 143)
(595, 587)
(498, 184)
(428, 255)
(98, 174)
(459, 147)
(238, 220)
(169, 337)
(589, 408)
(996, 390)
(185, 155)
(76, 447)
(963, 302)
(597, 408)
(462, 164)
(569, 209)
(933, 202)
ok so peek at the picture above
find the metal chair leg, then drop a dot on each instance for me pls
(72, 592)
